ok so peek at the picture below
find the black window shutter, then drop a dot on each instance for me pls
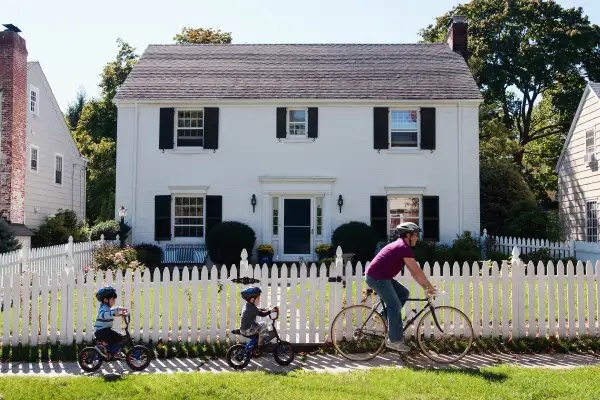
(428, 128)
(211, 128)
(166, 135)
(379, 205)
(431, 218)
(162, 217)
(214, 211)
(381, 130)
(313, 122)
(281, 122)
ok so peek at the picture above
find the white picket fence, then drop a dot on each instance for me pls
(52, 259)
(506, 244)
(502, 301)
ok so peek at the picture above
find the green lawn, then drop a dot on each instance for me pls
(489, 383)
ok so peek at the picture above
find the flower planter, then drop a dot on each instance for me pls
(265, 259)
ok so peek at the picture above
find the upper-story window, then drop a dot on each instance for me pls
(590, 144)
(34, 152)
(58, 169)
(190, 128)
(297, 122)
(404, 131)
(34, 100)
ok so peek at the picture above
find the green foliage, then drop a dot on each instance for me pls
(500, 186)
(75, 109)
(112, 257)
(202, 36)
(226, 240)
(324, 250)
(526, 219)
(110, 229)
(265, 250)
(355, 237)
(524, 50)
(8, 242)
(57, 228)
(465, 248)
(149, 254)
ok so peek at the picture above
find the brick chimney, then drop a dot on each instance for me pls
(458, 35)
(13, 140)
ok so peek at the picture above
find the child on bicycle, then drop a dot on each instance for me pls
(249, 326)
(107, 297)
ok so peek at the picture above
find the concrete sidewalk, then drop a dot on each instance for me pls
(312, 363)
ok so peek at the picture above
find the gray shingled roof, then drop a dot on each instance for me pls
(299, 71)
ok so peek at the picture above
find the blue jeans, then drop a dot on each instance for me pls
(394, 295)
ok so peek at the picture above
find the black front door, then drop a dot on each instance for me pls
(296, 226)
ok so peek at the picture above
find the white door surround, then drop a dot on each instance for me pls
(289, 188)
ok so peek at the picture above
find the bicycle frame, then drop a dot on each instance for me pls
(254, 339)
(115, 348)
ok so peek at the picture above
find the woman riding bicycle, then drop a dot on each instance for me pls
(380, 277)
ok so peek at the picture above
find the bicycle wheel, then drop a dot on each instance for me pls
(236, 356)
(449, 339)
(89, 359)
(353, 338)
(138, 358)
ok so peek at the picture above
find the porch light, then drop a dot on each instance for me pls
(253, 202)
(340, 202)
(122, 212)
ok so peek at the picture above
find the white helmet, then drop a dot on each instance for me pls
(407, 227)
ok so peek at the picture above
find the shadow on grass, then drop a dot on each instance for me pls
(473, 372)
(112, 377)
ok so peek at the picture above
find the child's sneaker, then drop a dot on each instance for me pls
(100, 349)
(120, 355)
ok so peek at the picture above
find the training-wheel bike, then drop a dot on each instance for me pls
(136, 356)
(444, 333)
(239, 355)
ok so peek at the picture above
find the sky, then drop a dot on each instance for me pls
(73, 43)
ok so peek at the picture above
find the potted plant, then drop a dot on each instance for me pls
(265, 254)
(323, 251)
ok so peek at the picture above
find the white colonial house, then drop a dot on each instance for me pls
(578, 176)
(295, 140)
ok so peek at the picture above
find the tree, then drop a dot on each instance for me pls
(8, 242)
(202, 36)
(523, 50)
(75, 108)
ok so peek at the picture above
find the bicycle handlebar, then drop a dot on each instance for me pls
(276, 311)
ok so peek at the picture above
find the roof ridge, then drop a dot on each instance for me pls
(293, 44)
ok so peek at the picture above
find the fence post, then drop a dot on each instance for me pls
(244, 270)
(518, 293)
(102, 239)
(70, 256)
(24, 258)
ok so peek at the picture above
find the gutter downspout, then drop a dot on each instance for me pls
(459, 170)
(134, 186)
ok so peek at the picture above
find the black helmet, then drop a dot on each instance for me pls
(107, 292)
(250, 292)
(407, 227)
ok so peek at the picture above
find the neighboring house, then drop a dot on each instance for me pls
(577, 168)
(41, 169)
(295, 140)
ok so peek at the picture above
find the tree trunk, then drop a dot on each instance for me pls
(518, 157)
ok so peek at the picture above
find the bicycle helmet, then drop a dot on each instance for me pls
(250, 292)
(407, 227)
(107, 292)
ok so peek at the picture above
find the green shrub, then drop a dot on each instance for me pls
(444, 254)
(226, 240)
(424, 252)
(110, 229)
(149, 254)
(465, 248)
(57, 228)
(111, 256)
(356, 237)
(324, 251)
(497, 256)
(8, 242)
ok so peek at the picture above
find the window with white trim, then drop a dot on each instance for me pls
(34, 152)
(590, 142)
(189, 216)
(190, 128)
(404, 128)
(591, 221)
(319, 216)
(58, 170)
(297, 122)
(34, 100)
(275, 216)
(403, 209)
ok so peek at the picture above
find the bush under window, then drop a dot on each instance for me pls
(226, 240)
(57, 228)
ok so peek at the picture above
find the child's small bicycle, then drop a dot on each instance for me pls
(239, 355)
(136, 356)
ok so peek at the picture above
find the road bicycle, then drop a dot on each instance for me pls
(239, 355)
(136, 356)
(444, 333)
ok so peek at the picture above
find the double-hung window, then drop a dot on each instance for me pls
(190, 128)
(189, 216)
(58, 169)
(34, 154)
(297, 122)
(591, 221)
(404, 128)
(590, 142)
(402, 209)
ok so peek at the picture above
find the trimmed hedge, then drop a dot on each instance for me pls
(226, 240)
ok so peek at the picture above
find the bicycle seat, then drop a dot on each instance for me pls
(238, 332)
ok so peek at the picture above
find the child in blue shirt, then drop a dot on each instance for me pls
(107, 297)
